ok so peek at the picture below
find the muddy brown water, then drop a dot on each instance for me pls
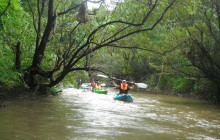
(78, 114)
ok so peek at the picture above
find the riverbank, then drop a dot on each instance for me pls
(23, 93)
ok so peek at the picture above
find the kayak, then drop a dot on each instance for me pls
(123, 97)
(100, 91)
(85, 87)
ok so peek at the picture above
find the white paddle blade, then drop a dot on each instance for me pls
(103, 76)
(103, 84)
(141, 85)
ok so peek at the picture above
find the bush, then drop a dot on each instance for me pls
(205, 89)
(165, 82)
(182, 84)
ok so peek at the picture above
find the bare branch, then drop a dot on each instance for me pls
(73, 56)
(218, 13)
(119, 31)
(6, 8)
(109, 43)
(134, 47)
(40, 13)
(185, 73)
(95, 1)
(142, 2)
(74, 28)
(209, 25)
(68, 10)
(134, 32)
(39, 51)
(33, 16)
(95, 10)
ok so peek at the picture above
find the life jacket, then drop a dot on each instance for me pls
(98, 87)
(123, 89)
(93, 83)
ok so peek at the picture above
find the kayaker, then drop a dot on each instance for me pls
(98, 86)
(123, 87)
(93, 84)
(79, 83)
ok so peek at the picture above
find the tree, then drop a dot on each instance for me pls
(204, 43)
(194, 29)
(80, 42)
(14, 27)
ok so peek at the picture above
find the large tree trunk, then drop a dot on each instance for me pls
(32, 73)
(18, 55)
(39, 50)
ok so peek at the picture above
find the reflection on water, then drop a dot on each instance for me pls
(78, 114)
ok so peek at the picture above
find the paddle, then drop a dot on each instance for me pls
(140, 85)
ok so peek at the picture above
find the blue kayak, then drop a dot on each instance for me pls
(84, 87)
(123, 97)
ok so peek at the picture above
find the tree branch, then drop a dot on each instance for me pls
(218, 13)
(142, 30)
(109, 43)
(83, 50)
(40, 13)
(68, 10)
(134, 47)
(209, 25)
(6, 8)
(33, 16)
(39, 51)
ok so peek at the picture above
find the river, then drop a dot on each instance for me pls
(83, 115)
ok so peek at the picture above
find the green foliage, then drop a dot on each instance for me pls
(15, 26)
(182, 84)
(71, 78)
(9, 76)
(167, 46)
(196, 88)
(205, 89)
(165, 82)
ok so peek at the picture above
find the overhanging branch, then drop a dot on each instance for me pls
(68, 10)
(33, 16)
(6, 8)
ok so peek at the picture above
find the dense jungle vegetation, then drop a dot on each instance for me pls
(172, 45)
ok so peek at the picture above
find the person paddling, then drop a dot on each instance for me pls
(98, 86)
(79, 84)
(93, 85)
(123, 87)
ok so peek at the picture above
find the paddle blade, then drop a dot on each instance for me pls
(141, 85)
(103, 84)
(103, 76)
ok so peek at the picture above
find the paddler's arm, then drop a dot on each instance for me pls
(114, 83)
(132, 83)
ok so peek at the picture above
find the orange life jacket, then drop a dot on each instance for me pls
(123, 89)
